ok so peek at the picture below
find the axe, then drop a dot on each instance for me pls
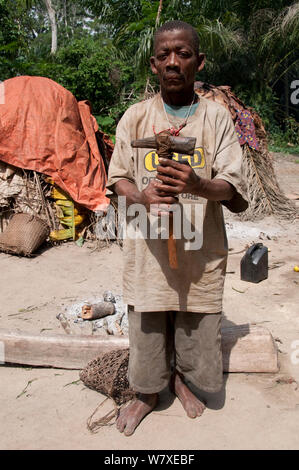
(166, 144)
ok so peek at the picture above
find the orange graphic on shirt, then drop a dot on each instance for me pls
(197, 160)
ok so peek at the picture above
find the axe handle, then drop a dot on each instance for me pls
(171, 244)
(164, 150)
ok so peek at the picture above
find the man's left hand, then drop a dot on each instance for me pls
(176, 178)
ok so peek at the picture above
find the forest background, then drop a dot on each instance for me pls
(100, 50)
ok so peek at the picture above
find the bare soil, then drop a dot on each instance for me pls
(48, 408)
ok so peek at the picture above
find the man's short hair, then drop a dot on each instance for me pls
(178, 26)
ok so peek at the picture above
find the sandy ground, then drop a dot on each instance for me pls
(48, 408)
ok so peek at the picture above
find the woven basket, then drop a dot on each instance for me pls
(108, 375)
(24, 234)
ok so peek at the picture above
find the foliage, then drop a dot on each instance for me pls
(104, 49)
(108, 121)
(286, 139)
(12, 40)
(89, 70)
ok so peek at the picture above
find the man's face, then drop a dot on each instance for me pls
(175, 61)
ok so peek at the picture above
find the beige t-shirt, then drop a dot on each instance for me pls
(149, 283)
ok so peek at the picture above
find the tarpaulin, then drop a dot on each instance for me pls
(44, 128)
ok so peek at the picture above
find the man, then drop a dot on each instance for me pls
(176, 313)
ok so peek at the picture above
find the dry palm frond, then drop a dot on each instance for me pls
(149, 91)
(263, 192)
(29, 198)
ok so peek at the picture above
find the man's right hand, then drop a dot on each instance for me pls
(153, 198)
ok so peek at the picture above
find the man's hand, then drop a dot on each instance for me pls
(176, 178)
(153, 196)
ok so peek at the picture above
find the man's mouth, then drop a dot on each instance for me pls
(173, 77)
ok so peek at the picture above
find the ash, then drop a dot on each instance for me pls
(115, 324)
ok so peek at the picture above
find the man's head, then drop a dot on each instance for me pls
(176, 57)
(178, 26)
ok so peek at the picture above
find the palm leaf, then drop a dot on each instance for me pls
(216, 38)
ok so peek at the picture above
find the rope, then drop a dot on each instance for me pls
(163, 145)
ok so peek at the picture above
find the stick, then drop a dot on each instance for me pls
(171, 244)
(42, 197)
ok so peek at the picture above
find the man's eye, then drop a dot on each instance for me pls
(162, 56)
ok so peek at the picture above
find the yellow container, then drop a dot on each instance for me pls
(69, 221)
(67, 214)
(59, 235)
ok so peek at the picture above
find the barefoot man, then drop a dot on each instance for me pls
(175, 314)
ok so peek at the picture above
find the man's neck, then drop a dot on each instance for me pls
(179, 99)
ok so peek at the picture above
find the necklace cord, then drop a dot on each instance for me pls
(172, 129)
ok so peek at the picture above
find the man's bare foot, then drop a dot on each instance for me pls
(131, 416)
(191, 404)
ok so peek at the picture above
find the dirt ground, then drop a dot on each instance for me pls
(47, 408)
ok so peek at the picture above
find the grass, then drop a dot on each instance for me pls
(285, 149)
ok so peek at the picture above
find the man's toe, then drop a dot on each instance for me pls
(120, 424)
(192, 413)
(130, 428)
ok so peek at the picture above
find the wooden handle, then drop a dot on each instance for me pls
(171, 243)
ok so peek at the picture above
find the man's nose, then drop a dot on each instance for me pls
(173, 60)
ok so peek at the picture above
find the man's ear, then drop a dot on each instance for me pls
(153, 65)
(201, 61)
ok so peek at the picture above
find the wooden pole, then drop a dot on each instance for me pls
(245, 348)
(171, 245)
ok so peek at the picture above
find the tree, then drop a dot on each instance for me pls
(52, 18)
(250, 45)
(27, 4)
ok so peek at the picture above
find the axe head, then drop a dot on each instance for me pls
(183, 145)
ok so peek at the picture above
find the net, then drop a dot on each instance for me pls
(108, 374)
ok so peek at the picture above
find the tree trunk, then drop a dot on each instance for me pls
(65, 19)
(52, 18)
(159, 13)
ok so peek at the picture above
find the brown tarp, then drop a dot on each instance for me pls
(44, 128)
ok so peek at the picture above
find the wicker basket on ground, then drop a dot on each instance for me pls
(24, 234)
